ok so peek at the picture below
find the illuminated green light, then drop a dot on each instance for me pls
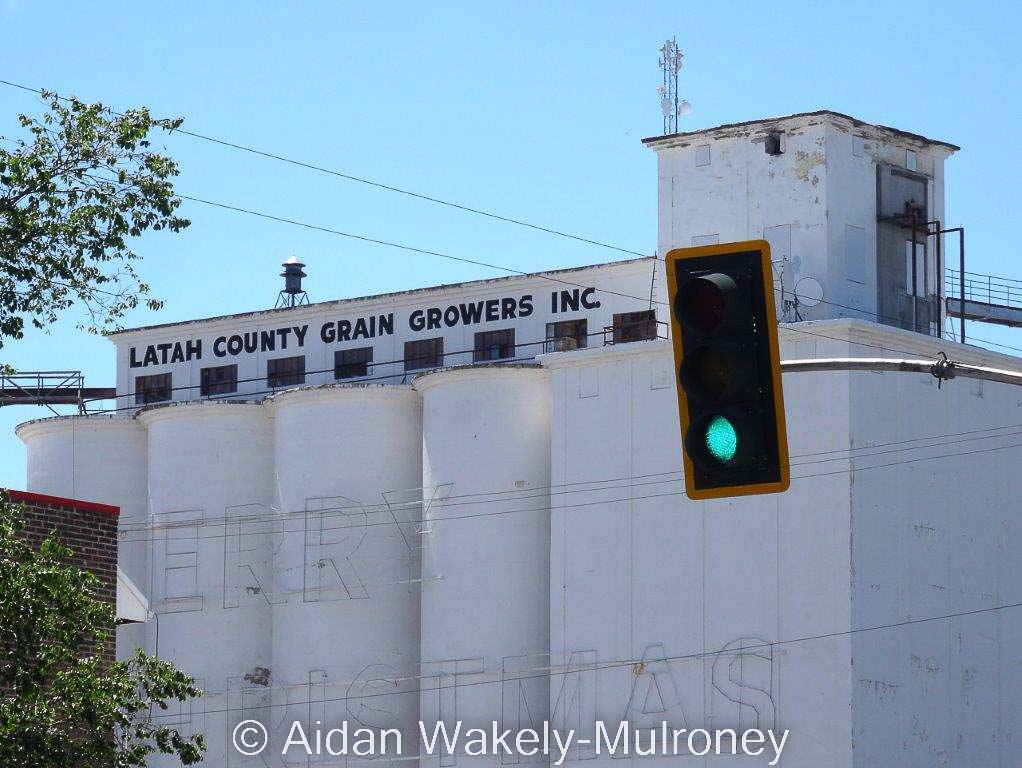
(721, 439)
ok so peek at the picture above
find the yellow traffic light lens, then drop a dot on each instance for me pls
(710, 371)
(721, 439)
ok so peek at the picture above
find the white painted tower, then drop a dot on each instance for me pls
(832, 195)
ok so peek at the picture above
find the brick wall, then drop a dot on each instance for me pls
(89, 529)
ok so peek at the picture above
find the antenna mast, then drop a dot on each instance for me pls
(670, 104)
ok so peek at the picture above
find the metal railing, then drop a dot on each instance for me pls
(41, 383)
(983, 289)
(50, 388)
(639, 330)
(42, 387)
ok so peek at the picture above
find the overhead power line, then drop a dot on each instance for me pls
(564, 670)
(852, 453)
(363, 238)
(441, 503)
(429, 198)
(924, 366)
(646, 300)
(649, 301)
(410, 248)
(379, 185)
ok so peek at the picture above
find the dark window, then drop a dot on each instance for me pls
(351, 363)
(219, 380)
(427, 353)
(285, 371)
(566, 335)
(152, 389)
(634, 326)
(494, 345)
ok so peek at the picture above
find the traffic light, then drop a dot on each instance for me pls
(724, 329)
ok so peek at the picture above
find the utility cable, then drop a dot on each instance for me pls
(564, 670)
(560, 507)
(373, 183)
(595, 486)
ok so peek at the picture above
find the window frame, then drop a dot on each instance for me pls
(506, 343)
(339, 362)
(580, 335)
(146, 384)
(212, 389)
(435, 358)
(285, 378)
(640, 327)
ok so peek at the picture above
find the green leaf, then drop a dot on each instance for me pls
(63, 706)
(71, 196)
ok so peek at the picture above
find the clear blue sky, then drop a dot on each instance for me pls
(530, 109)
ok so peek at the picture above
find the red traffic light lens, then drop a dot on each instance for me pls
(704, 303)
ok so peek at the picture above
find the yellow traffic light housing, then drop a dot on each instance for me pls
(727, 361)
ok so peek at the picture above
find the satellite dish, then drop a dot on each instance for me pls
(665, 105)
(808, 291)
(684, 108)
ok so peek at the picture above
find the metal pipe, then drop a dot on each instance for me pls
(915, 306)
(857, 364)
(961, 272)
(951, 370)
(939, 281)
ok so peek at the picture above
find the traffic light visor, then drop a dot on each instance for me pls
(705, 304)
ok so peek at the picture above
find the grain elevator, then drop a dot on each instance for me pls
(466, 502)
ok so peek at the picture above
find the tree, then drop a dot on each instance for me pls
(61, 704)
(70, 198)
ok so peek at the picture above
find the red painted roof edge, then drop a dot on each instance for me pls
(84, 506)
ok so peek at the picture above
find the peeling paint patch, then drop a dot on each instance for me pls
(805, 162)
(969, 676)
(880, 687)
(918, 730)
(927, 666)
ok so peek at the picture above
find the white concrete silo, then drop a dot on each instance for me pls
(102, 459)
(485, 562)
(348, 461)
(210, 489)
